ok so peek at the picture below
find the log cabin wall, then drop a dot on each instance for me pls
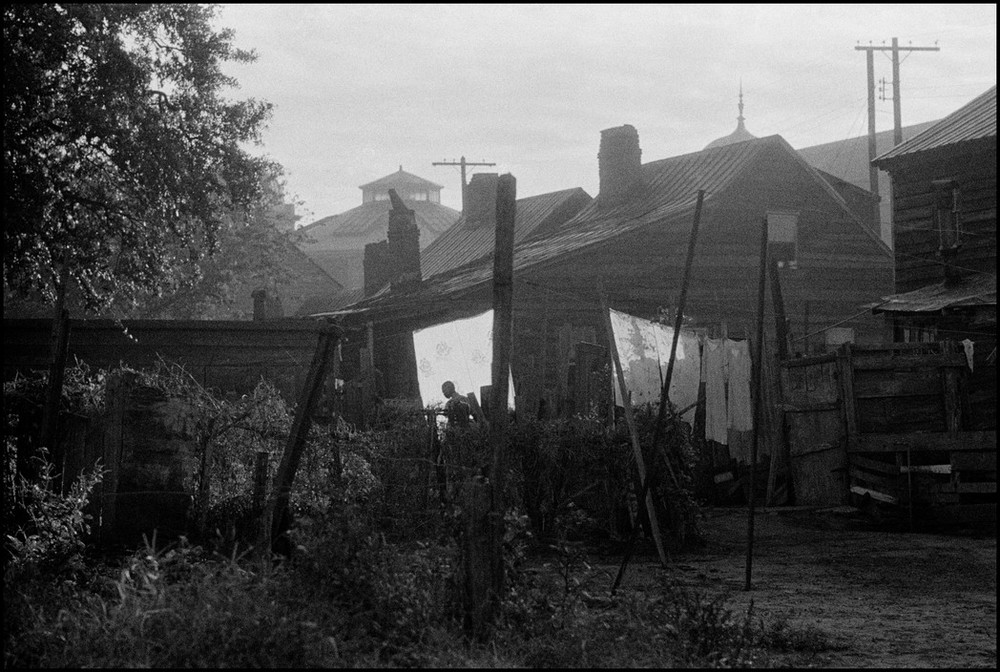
(841, 267)
(915, 228)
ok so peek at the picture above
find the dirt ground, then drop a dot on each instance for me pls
(884, 598)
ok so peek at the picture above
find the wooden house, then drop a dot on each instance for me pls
(944, 182)
(630, 243)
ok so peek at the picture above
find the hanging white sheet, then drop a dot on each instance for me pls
(460, 351)
(727, 373)
(714, 374)
(739, 407)
(644, 351)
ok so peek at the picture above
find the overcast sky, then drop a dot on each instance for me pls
(359, 90)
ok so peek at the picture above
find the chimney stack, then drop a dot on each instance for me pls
(619, 163)
(396, 260)
(481, 202)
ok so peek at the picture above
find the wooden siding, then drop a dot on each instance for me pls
(228, 356)
(915, 230)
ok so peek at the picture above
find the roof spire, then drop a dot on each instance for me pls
(740, 118)
(741, 134)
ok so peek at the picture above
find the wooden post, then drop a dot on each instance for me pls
(640, 462)
(756, 375)
(58, 347)
(780, 322)
(951, 384)
(58, 353)
(483, 580)
(205, 477)
(275, 516)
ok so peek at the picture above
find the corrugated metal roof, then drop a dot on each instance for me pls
(372, 220)
(976, 290)
(400, 178)
(667, 200)
(976, 120)
(462, 243)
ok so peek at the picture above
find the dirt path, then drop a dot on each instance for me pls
(885, 599)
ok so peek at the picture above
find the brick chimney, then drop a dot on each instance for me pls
(619, 163)
(396, 260)
(481, 201)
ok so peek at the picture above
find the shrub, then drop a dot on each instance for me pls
(50, 537)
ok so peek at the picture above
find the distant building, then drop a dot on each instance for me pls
(337, 243)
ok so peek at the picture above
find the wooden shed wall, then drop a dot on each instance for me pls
(914, 227)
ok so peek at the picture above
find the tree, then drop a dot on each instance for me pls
(254, 255)
(121, 155)
(123, 162)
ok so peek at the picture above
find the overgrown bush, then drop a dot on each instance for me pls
(51, 538)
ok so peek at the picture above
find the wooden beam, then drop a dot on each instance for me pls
(881, 443)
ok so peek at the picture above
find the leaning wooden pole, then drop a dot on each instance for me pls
(640, 462)
(756, 383)
(275, 517)
(665, 390)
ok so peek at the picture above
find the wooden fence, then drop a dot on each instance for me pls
(902, 424)
(226, 356)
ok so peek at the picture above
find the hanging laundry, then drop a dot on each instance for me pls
(739, 405)
(714, 375)
(460, 351)
(969, 347)
(644, 352)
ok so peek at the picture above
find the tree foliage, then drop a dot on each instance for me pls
(124, 162)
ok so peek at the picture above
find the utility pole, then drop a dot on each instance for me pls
(463, 163)
(896, 108)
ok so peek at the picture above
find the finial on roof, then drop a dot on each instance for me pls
(740, 118)
(400, 167)
(741, 134)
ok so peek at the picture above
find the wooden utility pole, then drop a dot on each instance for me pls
(896, 109)
(463, 163)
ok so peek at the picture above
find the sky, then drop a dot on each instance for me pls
(360, 90)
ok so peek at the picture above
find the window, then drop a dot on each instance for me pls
(947, 207)
(782, 237)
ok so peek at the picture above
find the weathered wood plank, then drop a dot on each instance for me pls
(876, 495)
(962, 441)
(974, 461)
(874, 465)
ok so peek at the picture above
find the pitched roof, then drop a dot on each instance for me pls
(463, 243)
(977, 290)
(848, 158)
(974, 121)
(371, 220)
(400, 178)
(667, 200)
